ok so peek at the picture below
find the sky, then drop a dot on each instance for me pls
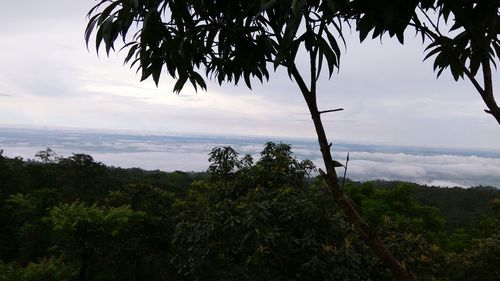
(48, 79)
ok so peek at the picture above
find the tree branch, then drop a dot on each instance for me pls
(486, 93)
(331, 110)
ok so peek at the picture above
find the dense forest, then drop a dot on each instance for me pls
(72, 218)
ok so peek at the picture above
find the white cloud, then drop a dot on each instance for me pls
(423, 165)
(426, 169)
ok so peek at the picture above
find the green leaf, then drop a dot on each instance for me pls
(333, 43)
(337, 164)
(330, 56)
(107, 12)
(433, 52)
(475, 63)
(364, 27)
(293, 22)
(180, 83)
(400, 36)
(199, 80)
(90, 28)
(131, 51)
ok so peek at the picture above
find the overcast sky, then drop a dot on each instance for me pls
(49, 79)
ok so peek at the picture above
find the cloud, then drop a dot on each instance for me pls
(426, 169)
(173, 152)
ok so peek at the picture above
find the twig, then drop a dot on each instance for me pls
(331, 110)
(345, 171)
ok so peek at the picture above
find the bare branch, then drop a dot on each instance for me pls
(345, 171)
(331, 110)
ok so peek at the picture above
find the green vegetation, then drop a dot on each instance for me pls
(270, 219)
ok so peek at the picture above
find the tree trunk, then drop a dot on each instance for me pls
(366, 232)
(487, 93)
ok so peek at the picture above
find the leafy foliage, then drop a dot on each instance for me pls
(267, 224)
(476, 43)
(264, 220)
(236, 39)
(398, 204)
(470, 38)
(223, 162)
(44, 269)
(229, 40)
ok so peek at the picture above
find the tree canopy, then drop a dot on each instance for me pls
(265, 220)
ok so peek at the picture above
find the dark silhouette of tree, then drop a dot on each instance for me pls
(47, 156)
(461, 35)
(223, 162)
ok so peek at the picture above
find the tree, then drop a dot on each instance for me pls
(47, 156)
(31, 236)
(278, 166)
(223, 162)
(94, 239)
(266, 226)
(233, 40)
(462, 35)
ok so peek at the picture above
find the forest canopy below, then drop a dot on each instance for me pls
(72, 218)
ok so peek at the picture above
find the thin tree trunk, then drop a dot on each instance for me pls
(366, 232)
(487, 94)
(82, 275)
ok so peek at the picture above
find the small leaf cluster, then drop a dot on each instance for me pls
(462, 35)
(386, 16)
(475, 41)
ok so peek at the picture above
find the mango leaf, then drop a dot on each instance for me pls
(337, 164)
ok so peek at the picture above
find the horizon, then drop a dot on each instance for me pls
(313, 138)
(446, 167)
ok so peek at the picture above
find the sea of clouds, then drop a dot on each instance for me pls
(424, 165)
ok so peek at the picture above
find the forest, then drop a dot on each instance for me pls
(272, 218)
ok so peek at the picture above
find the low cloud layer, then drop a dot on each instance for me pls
(445, 170)
(190, 153)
